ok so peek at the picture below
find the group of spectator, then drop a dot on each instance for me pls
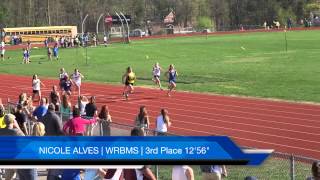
(56, 116)
(73, 120)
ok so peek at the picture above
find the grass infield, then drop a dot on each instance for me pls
(253, 64)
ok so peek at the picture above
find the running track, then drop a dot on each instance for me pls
(283, 126)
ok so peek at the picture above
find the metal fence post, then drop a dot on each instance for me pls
(100, 128)
(8, 105)
(292, 167)
(157, 172)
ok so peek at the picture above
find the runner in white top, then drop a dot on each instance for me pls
(2, 50)
(76, 78)
(36, 86)
(182, 173)
(156, 71)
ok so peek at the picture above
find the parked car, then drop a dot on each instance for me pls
(206, 31)
(137, 33)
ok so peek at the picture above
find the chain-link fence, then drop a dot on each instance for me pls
(277, 167)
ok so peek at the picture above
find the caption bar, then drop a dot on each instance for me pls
(149, 150)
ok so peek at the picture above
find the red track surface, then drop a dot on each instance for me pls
(283, 126)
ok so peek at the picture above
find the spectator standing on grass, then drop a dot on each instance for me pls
(213, 172)
(52, 122)
(55, 98)
(162, 123)
(49, 53)
(76, 125)
(105, 120)
(65, 108)
(172, 77)
(182, 173)
(41, 110)
(21, 119)
(29, 45)
(289, 23)
(25, 56)
(142, 119)
(276, 24)
(36, 87)
(105, 40)
(55, 52)
(94, 39)
(45, 42)
(2, 50)
(264, 25)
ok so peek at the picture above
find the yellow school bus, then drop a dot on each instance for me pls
(39, 34)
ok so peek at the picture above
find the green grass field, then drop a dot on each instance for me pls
(272, 169)
(254, 64)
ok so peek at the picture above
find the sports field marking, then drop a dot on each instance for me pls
(207, 105)
(236, 137)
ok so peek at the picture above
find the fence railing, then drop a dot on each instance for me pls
(278, 166)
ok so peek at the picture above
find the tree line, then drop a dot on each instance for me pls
(224, 14)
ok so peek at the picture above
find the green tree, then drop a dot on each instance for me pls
(204, 22)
